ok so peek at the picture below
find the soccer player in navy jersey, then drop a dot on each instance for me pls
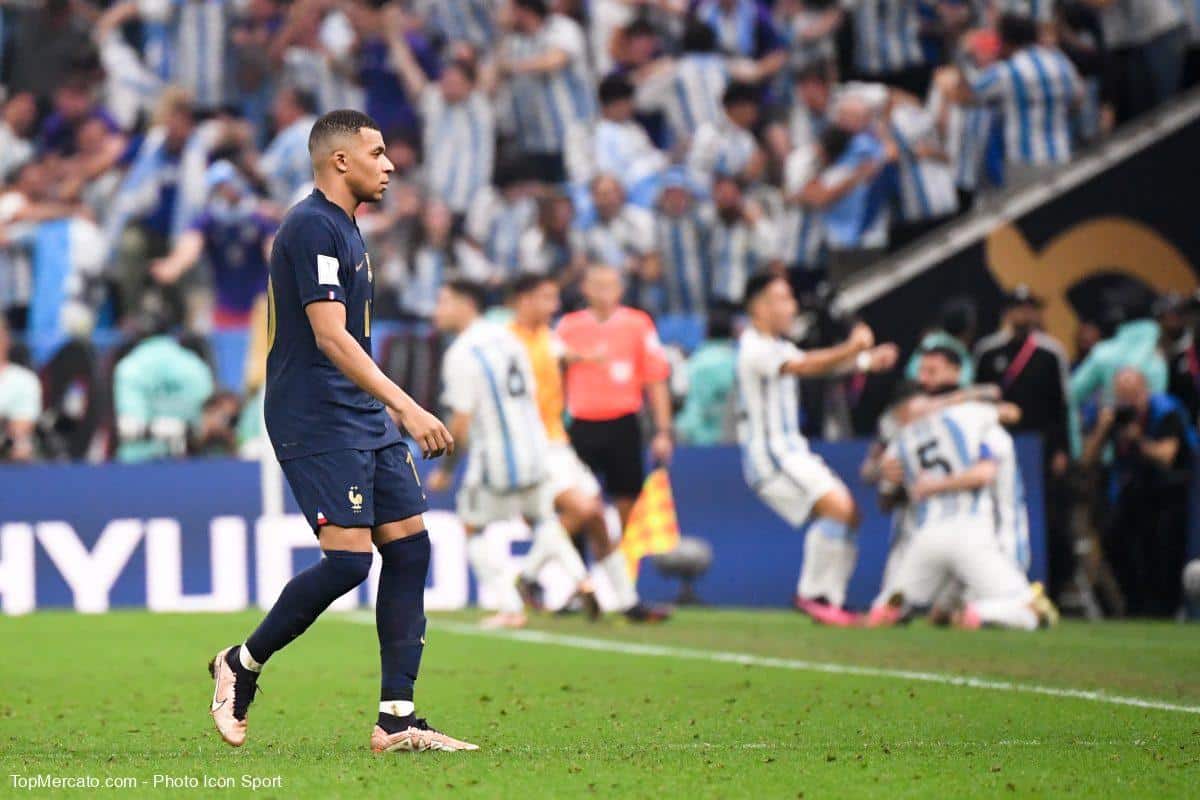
(333, 417)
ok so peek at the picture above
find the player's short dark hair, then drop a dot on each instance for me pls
(739, 92)
(527, 282)
(757, 284)
(343, 122)
(698, 37)
(475, 292)
(1017, 30)
(614, 89)
(539, 7)
(948, 353)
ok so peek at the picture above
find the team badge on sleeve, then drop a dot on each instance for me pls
(327, 271)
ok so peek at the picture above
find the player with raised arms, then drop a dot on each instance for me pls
(776, 459)
(332, 417)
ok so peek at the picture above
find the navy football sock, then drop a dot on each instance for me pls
(305, 597)
(400, 615)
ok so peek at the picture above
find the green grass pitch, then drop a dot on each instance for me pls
(125, 695)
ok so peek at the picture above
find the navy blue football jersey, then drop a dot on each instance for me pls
(311, 407)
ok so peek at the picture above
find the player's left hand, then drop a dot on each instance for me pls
(662, 448)
(427, 430)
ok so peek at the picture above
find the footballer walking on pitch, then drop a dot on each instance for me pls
(778, 464)
(332, 418)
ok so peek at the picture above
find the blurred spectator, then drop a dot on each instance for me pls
(16, 126)
(1031, 369)
(234, 234)
(687, 89)
(1148, 42)
(75, 104)
(286, 166)
(621, 234)
(726, 146)
(1134, 343)
(618, 146)
(741, 241)
(435, 255)
(683, 232)
(708, 412)
(159, 392)
(1036, 109)
(20, 404)
(458, 127)
(553, 246)
(1179, 348)
(926, 195)
(1153, 447)
(887, 45)
(742, 28)
(499, 214)
(544, 59)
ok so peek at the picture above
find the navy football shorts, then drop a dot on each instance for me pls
(356, 488)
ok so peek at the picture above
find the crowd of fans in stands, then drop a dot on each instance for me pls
(148, 149)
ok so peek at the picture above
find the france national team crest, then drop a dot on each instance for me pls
(356, 499)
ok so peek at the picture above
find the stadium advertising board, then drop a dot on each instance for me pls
(189, 536)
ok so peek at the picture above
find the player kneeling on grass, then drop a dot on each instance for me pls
(947, 469)
(332, 418)
(489, 387)
(777, 462)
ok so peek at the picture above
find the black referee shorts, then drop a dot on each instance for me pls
(612, 450)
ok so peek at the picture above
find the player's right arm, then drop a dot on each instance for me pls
(859, 350)
(328, 321)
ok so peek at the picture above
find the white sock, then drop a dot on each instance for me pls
(1007, 613)
(830, 554)
(489, 575)
(248, 660)
(397, 708)
(539, 553)
(614, 567)
(562, 549)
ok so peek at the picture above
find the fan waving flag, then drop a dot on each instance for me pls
(653, 527)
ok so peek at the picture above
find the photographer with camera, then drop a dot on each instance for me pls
(1152, 444)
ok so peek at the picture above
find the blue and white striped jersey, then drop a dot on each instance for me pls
(286, 164)
(1040, 11)
(460, 20)
(197, 55)
(886, 36)
(688, 94)
(926, 185)
(769, 404)
(459, 141)
(948, 442)
(720, 148)
(682, 243)
(1034, 91)
(1008, 497)
(738, 249)
(620, 149)
(542, 107)
(313, 71)
(487, 375)
(496, 224)
(621, 240)
(802, 235)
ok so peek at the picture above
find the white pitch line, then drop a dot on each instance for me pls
(833, 668)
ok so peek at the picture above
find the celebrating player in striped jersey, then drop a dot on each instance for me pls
(777, 462)
(489, 387)
(948, 470)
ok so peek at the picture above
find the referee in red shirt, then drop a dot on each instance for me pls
(614, 362)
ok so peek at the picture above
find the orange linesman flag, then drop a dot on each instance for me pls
(653, 527)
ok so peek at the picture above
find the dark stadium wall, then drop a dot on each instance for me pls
(1135, 223)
